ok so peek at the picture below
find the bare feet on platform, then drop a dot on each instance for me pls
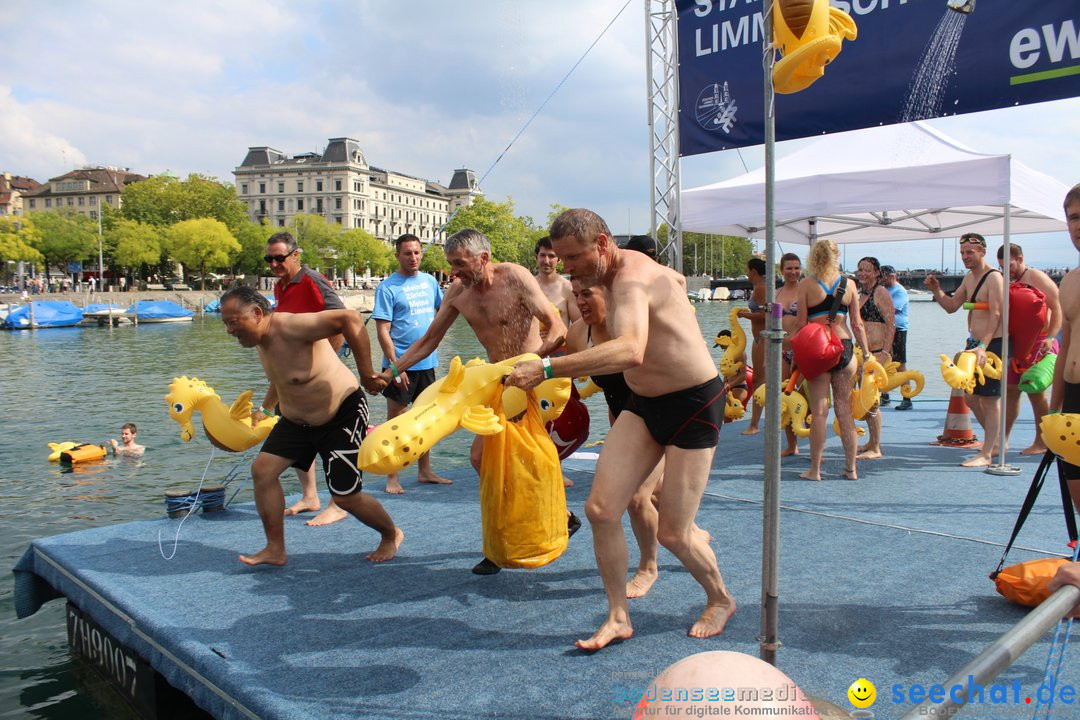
(433, 479)
(1034, 449)
(977, 461)
(567, 482)
(609, 632)
(713, 620)
(387, 548)
(852, 474)
(304, 506)
(865, 454)
(393, 486)
(811, 475)
(266, 556)
(329, 516)
(751, 431)
(790, 451)
(641, 583)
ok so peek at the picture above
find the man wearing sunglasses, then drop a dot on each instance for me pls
(980, 285)
(299, 289)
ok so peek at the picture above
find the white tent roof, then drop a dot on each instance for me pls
(895, 182)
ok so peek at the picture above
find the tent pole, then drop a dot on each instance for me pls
(1006, 256)
(774, 336)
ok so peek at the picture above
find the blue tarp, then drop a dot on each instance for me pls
(47, 313)
(149, 309)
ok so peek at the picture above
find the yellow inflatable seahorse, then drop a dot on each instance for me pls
(963, 373)
(463, 398)
(910, 382)
(586, 387)
(793, 410)
(733, 409)
(808, 33)
(734, 347)
(228, 428)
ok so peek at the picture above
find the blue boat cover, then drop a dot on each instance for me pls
(160, 309)
(47, 313)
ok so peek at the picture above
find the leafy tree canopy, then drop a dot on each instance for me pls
(355, 249)
(17, 239)
(164, 200)
(64, 236)
(512, 238)
(134, 243)
(204, 243)
(316, 238)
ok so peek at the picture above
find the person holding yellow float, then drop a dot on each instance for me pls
(878, 318)
(127, 447)
(984, 328)
(827, 297)
(755, 312)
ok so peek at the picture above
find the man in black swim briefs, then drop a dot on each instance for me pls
(323, 412)
(675, 413)
(1065, 396)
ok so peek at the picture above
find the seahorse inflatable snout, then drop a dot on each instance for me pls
(227, 428)
(734, 346)
(964, 372)
(808, 34)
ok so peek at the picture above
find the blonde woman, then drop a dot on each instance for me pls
(816, 293)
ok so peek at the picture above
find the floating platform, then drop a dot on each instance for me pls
(884, 579)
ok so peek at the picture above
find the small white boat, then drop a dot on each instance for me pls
(914, 295)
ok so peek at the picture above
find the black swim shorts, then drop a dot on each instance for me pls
(419, 380)
(688, 419)
(899, 346)
(1070, 403)
(337, 443)
(991, 388)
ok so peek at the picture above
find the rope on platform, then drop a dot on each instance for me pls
(194, 505)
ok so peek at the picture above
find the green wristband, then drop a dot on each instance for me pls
(266, 412)
(393, 368)
(548, 372)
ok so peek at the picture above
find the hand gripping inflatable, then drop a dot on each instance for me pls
(1039, 376)
(808, 33)
(963, 373)
(1061, 433)
(228, 428)
(910, 382)
(734, 346)
(463, 398)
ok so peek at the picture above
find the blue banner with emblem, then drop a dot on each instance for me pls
(913, 59)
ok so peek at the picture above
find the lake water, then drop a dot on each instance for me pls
(82, 384)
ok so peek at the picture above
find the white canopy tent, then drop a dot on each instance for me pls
(895, 182)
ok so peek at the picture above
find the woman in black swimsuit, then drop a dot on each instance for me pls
(816, 293)
(879, 319)
(591, 330)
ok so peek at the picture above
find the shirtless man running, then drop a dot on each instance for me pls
(675, 415)
(323, 412)
(984, 327)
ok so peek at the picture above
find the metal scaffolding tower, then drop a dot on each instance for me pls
(662, 78)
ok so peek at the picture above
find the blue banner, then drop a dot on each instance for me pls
(913, 59)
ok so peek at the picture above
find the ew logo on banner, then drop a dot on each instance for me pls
(913, 59)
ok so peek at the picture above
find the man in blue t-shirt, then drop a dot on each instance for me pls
(405, 305)
(900, 307)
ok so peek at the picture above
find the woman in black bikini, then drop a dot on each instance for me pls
(815, 300)
(879, 319)
(788, 298)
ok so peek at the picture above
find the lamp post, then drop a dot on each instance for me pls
(100, 256)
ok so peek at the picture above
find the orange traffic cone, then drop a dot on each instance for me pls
(958, 432)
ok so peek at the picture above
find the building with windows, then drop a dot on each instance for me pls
(12, 190)
(340, 185)
(83, 191)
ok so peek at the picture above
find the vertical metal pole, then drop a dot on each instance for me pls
(770, 560)
(1002, 468)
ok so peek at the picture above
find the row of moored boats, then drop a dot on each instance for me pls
(61, 313)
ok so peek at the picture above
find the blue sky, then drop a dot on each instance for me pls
(426, 87)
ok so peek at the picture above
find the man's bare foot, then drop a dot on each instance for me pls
(266, 557)
(977, 461)
(567, 482)
(1034, 449)
(433, 479)
(393, 486)
(810, 475)
(609, 632)
(790, 451)
(712, 620)
(329, 516)
(641, 583)
(869, 454)
(304, 506)
(852, 474)
(387, 548)
(751, 431)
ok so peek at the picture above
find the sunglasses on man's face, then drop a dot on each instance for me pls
(277, 258)
(969, 240)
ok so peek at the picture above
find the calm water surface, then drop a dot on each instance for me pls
(82, 384)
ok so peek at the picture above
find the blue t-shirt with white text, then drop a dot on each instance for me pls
(409, 303)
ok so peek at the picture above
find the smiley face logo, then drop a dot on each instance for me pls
(862, 693)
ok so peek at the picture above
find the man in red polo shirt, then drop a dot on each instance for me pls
(299, 289)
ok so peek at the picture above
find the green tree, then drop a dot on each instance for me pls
(434, 259)
(17, 239)
(511, 237)
(204, 243)
(252, 237)
(355, 249)
(134, 244)
(707, 254)
(316, 238)
(64, 237)
(164, 200)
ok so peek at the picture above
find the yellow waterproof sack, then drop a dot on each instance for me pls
(1025, 583)
(522, 499)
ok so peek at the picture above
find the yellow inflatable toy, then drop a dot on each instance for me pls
(733, 409)
(227, 428)
(963, 373)
(734, 346)
(793, 410)
(808, 33)
(73, 452)
(910, 382)
(1061, 433)
(463, 398)
(586, 387)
